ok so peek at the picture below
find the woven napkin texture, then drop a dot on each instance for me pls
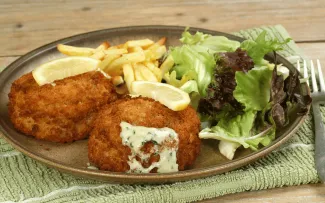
(23, 179)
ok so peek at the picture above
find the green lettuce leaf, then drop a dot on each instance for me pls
(269, 137)
(232, 130)
(171, 78)
(209, 43)
(190, 86)
(197, 55)
(188, 59)
(237, 131)
(188, 38)
(239, 126)
(251, 142)
(253, 88)
(228, 148)
(259, 47)
(221, 134)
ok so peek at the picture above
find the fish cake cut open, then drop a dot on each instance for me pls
(141, 135)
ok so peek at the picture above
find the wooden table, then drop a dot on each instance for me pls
(28, 24)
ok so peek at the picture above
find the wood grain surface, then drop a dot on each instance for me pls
(28, 24)
(25, 25)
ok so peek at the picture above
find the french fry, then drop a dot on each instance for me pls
(75, 51)
(154, 69)
(155, 53)
(149, 55)
(115, 51)
(149, 65)
(116, 65)
(167, 65)
(146, 73)
(137, 73)
(102, 46)
(139, 43)
(159, 52)
(128, 62)
(100, 55)
(153, 47)
(117, 80)
(129, 76)
(156, 63)
(162, 41)
(135, 49)
(103, 64)
(119, 46)
(112, 47)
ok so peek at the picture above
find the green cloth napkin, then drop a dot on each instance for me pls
(24, 180)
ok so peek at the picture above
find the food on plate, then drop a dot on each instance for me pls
(75, 51)
(63, 68)
(63, 111)
(142, 135)
(144, 104)
(83, 51)
(64, 95)
(172, 97)
(139, 58)
(242, 98)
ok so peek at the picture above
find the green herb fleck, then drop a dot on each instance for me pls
(154, 142)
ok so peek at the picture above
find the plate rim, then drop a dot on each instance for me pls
(118, 177)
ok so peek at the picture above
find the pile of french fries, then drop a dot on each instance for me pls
(132, 61)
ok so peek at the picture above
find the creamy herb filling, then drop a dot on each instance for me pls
(165, 144)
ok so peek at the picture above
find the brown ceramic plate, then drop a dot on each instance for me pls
(72, 157)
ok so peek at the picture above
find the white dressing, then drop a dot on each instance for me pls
(165, 142)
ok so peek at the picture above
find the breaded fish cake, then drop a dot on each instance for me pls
(59, 112)
(105, 148)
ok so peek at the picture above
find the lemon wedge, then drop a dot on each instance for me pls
(170, 96)
(63, 68)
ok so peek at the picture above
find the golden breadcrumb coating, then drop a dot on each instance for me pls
(59, 112)
(105, 148)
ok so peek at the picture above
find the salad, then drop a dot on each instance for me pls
(242, 99)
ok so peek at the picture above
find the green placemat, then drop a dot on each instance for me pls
(24, 180)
